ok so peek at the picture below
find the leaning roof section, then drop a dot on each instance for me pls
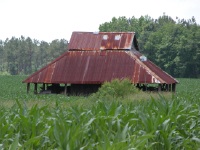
(90, 41)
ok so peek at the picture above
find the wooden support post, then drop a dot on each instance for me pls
(35, 88)
(28, 87)
(170, 87)
(65, 91)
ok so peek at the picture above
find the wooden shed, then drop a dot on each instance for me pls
(93, 58)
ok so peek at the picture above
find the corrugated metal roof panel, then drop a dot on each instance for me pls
(95, 67)
(101, 41)
(158, 72)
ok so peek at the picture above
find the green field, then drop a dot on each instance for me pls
(138, 121)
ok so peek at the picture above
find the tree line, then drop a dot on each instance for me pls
(172, 44)
(23, 56)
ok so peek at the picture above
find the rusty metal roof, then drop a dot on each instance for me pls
(94, 58)
(102, 41)
(96, 67)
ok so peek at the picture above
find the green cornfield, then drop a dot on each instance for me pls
(151, 121)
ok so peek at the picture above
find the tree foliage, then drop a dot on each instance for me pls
(25, 55)
(174, 45)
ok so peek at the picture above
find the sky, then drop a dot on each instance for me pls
(47, 20)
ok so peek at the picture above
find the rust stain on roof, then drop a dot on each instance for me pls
(96, 67)
(101, 41)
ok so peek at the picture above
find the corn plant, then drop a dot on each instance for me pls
(58, 122)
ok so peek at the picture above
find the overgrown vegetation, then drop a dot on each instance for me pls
(122, 122)
(116, 89)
